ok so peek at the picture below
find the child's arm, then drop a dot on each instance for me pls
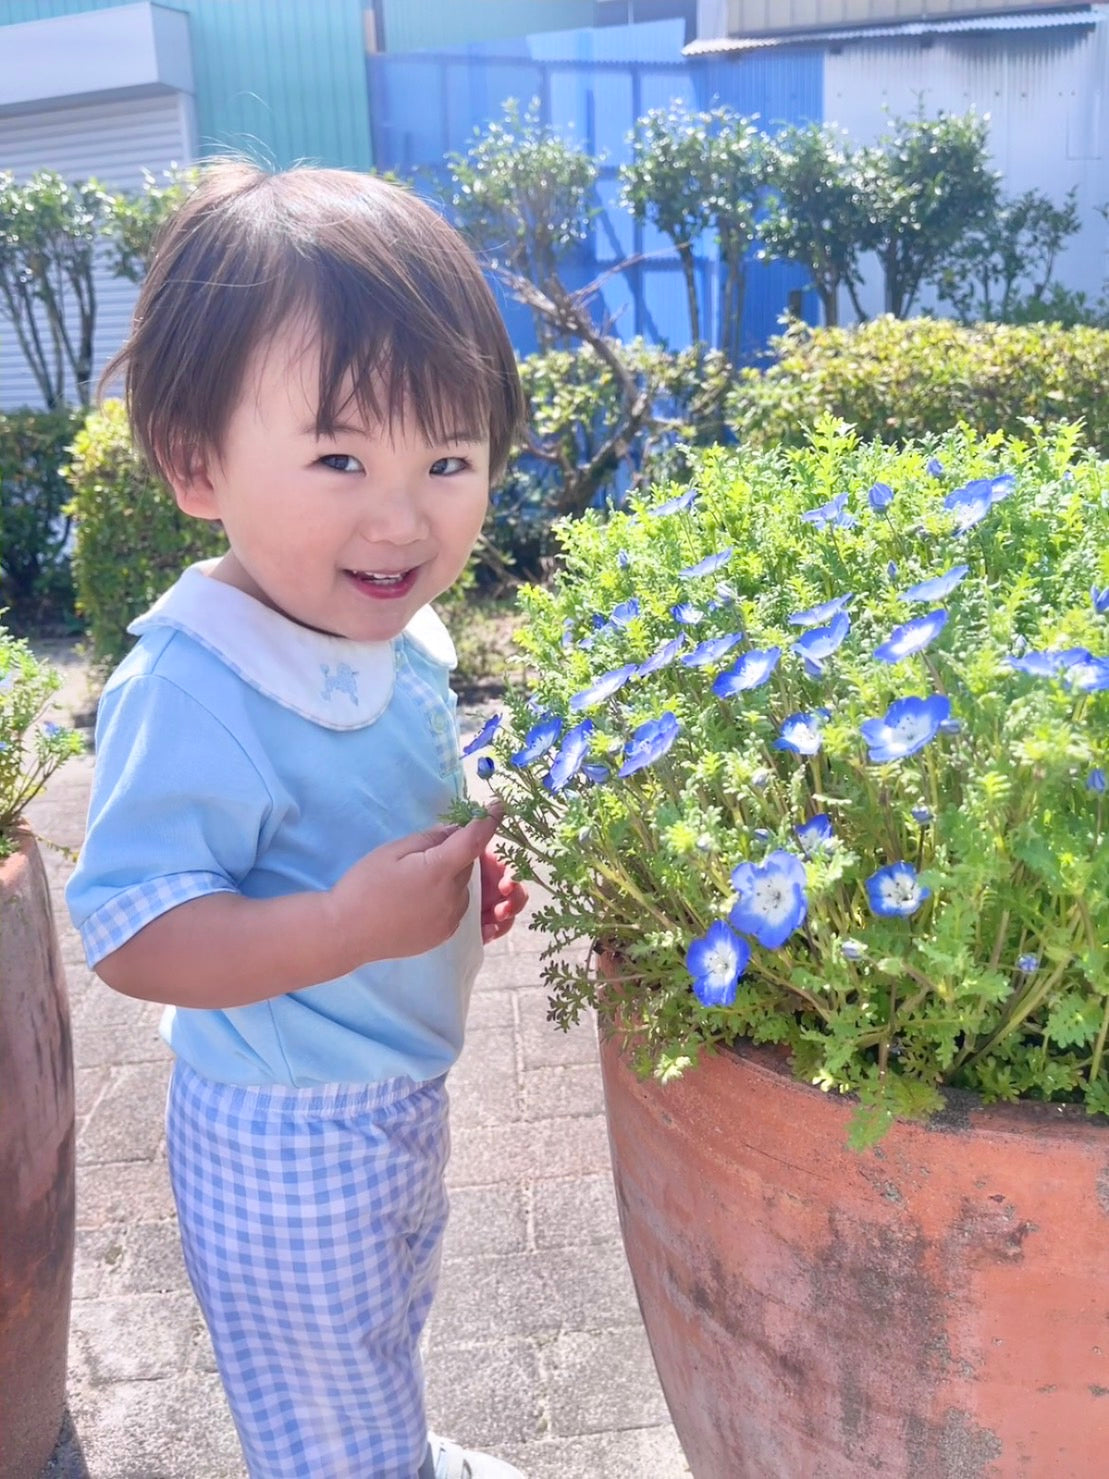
(226, 950)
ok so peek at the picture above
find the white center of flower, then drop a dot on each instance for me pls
(911, 727)
(772, 899)
(721, 962)
(900, 892)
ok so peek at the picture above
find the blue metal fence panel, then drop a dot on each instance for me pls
(592, 86)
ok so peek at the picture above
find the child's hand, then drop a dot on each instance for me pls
(410, 895)
(502, 897)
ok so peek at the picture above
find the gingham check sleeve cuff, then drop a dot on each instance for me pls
(113, 924)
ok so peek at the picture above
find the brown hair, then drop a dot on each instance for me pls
(395, 296)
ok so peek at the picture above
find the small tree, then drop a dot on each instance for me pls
(734, 194)
(926, 184)
(49, 231)
(524, 196)
(1018, 243)
(817, 215)
(666, 182)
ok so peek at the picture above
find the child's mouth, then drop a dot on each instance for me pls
(383, 584)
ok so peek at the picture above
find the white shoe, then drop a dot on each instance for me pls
(447, 1460)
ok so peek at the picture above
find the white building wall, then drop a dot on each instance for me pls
(1045, 93)
(113, 141)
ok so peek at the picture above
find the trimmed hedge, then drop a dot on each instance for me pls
(36, 586)
(902, 379)
(132, 541)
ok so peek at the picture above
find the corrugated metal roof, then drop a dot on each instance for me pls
(714, 46)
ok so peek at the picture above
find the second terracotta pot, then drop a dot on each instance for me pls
(936, 1307)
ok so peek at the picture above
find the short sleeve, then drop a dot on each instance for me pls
(178, 810)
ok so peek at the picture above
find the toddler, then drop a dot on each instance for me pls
(317, 363)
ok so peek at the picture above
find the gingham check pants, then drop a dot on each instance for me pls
(311, 1222)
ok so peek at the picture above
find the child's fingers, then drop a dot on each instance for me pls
(462, 847)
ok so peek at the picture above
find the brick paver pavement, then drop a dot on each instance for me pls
(535, 1350)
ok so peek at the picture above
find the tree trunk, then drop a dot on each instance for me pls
(689, 272)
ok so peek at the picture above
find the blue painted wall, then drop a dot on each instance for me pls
(592, 86)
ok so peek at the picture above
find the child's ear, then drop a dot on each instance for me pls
(193, 489)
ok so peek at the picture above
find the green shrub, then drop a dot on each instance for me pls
(32, 746)
(132, 541)
(589, 449)
(36, 585)
(899, 380)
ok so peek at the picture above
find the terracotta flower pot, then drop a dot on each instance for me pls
(36, 1169)
(936, 1307)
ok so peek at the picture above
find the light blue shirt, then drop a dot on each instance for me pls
(239, 752)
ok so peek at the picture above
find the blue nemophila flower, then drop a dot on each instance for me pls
(687, 614)
(880, 496)
(751, 671)
(708, 565)
(815, 833)
(674, 505)
(906, 727)
(485, 766)
(603, 687)
(711, 651)
(852, 949)
(649, 743)
(1089, 676)
(911, 637)
(624, 613)
(571, 756)
(1001, 486)
(951, 726)
(567, 632)
(816, 616)
(818, 644)
(1095, 781)
(1048, 664)
(50, 729)
(772, 902)
(799, 734)
(1028, 965)
(923, 815)
(934, 467)
(936, 588)
(896, 891)
(623, 559)
(595, 772)
(484, 735)
(1100, 599)
(716, 962)
(831, 515)
(660, 659)
(538, 740)
(969, 505)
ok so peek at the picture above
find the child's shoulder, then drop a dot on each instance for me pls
(164, 658)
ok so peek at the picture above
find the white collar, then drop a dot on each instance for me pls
(333, 681)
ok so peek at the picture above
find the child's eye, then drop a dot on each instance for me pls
(445, 466)
(342, 462)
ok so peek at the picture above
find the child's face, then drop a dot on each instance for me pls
(350, 534)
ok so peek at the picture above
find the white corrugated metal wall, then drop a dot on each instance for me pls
(113, 141)
(1045, 92)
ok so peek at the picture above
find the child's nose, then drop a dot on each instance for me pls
(392, 514)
